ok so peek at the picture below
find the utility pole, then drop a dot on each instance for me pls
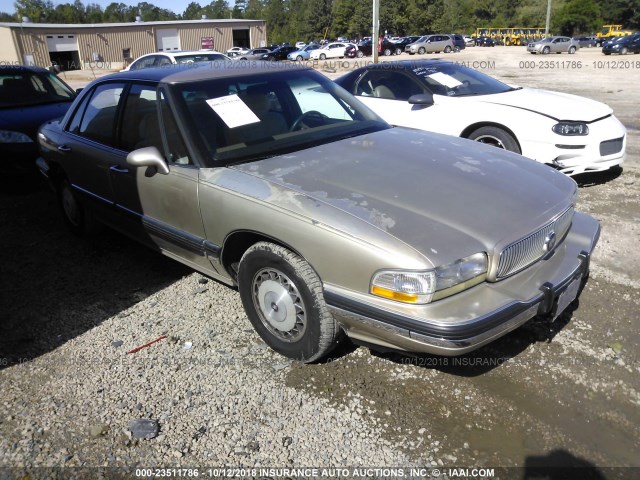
(376, 30)
(546, 28)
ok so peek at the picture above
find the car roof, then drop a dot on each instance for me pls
(22, 69)
(203, 71)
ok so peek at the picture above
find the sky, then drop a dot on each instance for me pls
(176, 6)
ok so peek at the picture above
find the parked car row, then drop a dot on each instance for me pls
(329, 221)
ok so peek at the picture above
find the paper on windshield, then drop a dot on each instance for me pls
(444, 79)
(233, 111)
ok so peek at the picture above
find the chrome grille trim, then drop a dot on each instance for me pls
(521, 254)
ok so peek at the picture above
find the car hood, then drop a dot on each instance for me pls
(559, 106)
(27, 119)
(444, 196)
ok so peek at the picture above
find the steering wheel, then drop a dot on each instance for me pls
(319, 118)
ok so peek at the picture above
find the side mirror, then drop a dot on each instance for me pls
(78, 90)
(425, 99)
(148, 157)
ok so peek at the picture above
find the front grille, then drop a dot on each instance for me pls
(610, 147)
(523, 253)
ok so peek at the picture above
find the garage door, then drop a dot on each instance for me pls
(62, 43)
(168, 39)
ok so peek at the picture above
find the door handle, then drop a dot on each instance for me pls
(119, 169)
(64, 148)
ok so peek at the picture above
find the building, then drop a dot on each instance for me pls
(114, 45)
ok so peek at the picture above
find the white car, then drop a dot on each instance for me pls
(163, 59)
(233, 51)
(330, 50)
(571, 133)
(300, 45)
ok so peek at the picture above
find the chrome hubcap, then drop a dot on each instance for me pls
(279, 305)
(490, 140)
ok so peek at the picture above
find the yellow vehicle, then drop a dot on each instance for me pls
(511, 36)
(612, 31)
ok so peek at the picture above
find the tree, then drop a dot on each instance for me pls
(118, 12)
(38, 11)
(577, 16)
(7, 17)
(192, 12)
(217, 9)
(93, 13)
(254, 9)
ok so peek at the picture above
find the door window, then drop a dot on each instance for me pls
(99, 118)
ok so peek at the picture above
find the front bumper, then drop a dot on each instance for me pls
(575, 155)
(466, 321)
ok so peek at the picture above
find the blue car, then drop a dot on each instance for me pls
(303, 53)
(29, 96)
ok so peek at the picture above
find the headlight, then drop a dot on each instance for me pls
(570, 129)
(7, 136)
(423, 287)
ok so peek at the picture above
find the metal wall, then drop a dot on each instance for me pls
(102, 46)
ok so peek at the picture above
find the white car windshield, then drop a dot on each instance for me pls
(245, 118)
(458, 81)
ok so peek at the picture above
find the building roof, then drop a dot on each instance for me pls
(60, 26)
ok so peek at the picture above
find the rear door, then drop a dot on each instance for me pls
(87, 148)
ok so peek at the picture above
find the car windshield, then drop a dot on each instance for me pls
(241, 119)
(458, 81)
(200, 57)
(32, 88)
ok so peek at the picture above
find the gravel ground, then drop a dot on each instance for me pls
(71, 309)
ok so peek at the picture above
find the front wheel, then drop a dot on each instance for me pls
(323, 56)
(299, 58)
(421, 50)
(624, 51)
(546, 50)
(495, 137)
(282, 296)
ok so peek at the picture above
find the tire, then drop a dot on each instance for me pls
(360, 54)
(398, 51)
(79, 220)
(447, 49)
(387, 52)
(496, 137)
(274, 282)
(624, 51)
(546, 50)
(323, 56)
(299, 58)
(421, 50)
(572, 50)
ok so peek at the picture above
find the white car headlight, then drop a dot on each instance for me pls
(7, 136)
(423, 287)
(570, 129)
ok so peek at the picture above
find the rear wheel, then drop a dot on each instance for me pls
(398, 51)
(496, 137)
(78, 219)
(359, 54)
(572, 50)
(447, 49)
(283, 298)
